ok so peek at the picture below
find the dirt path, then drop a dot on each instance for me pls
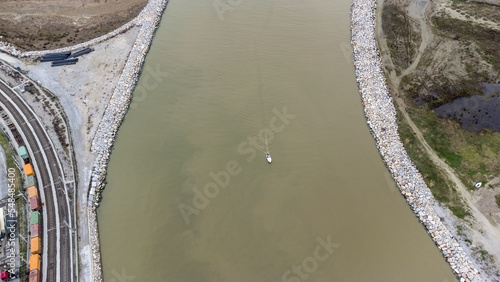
(416, 10)
(482, 229)
(455, 14)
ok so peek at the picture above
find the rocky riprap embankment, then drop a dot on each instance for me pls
(113, 117)
(381, 118)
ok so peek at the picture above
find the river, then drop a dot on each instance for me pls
(190, 195)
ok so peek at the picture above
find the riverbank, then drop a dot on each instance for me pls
(83, 90)
(112, 119)
(452, 61)
(381, 118)
(100, 85)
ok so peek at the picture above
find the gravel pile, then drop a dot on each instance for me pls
(381, 118)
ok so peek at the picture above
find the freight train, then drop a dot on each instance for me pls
(36, 218)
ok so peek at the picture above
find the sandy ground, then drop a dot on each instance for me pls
(483, 229)
(485, 200)
(457, 15)
(83, 90)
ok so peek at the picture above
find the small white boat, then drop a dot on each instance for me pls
(269, 159)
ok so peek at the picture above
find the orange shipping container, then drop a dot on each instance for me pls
(28, 169)
(35, 262)
(33, 192)
(35, 275)
(36, 245)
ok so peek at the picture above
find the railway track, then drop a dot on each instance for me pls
(58, 262)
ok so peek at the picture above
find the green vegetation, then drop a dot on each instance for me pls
(461, 53)
(487, 39)
(477, 10)
(440, 186)
(484, 255)
(468, 50)
(474, 156)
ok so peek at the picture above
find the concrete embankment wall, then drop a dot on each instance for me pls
(381, 118)
(113, 116)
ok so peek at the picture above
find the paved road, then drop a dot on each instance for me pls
(58, 215)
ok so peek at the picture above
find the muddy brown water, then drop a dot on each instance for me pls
(214, 92)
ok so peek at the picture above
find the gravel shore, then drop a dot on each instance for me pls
(381, 118)
(112, 119)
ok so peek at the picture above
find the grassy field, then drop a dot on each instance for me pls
(476, 10)
(459, 55)
(487, 39)
(474, 156)
(441, 187)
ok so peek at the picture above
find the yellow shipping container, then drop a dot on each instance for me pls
(36, 245)
(35, 262)
(33, 192)
(29, 170)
